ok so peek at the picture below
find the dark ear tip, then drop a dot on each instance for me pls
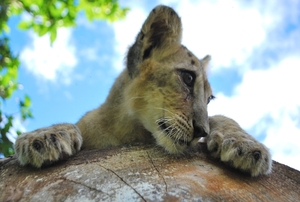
(162, 26)
(164, 8)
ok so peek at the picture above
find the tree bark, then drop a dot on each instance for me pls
(143, 173)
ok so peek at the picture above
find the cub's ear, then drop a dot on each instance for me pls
(161, 29)
(205, 62)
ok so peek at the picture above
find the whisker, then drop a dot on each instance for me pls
(178, 135)
(132, 98)
(164, 120)
(170, 132)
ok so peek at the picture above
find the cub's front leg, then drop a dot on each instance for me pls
(231, 144)
(47, 145)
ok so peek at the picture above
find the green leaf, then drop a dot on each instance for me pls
(27, 101)
(43, 30)
(24, 25)
(39, 3)
(6, 28)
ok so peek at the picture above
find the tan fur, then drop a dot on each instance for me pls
(229, 142)
(49, 144)
(160, 97)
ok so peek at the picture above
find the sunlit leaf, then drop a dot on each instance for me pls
(27, 101)
(24, 25)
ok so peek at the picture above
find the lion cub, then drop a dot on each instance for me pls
(161, 96)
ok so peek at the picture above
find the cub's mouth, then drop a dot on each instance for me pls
(173, 133)
(178, 136)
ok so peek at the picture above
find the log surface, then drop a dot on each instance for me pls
(143, 173)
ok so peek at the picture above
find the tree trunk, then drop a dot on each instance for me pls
(143, 173)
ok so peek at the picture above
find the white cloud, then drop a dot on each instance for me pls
(283, 138)
(50, 62)
(268, 94)
(224, 29)
(268, 90)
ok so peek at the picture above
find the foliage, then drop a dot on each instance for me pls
(43, 17)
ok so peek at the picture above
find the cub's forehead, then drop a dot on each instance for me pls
(188, 61)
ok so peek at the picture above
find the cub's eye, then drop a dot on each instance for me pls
(188, 78)
(210, 98)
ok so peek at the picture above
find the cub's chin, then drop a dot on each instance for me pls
(171, 145)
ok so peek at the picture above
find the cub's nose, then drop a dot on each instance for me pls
(199, 131)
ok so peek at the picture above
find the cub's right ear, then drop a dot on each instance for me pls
(161, 29)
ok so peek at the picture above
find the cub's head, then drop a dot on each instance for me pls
(168, 91)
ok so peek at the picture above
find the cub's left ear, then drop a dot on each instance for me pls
(161, 29)
(205, 62)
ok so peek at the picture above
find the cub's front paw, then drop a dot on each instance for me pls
(231, 144)
(47, 145)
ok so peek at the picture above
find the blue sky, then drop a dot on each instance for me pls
(255, 68)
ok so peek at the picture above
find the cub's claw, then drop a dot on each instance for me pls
(47, 145)
(232, 145)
